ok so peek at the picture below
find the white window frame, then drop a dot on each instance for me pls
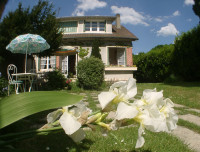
(91, 27)
(46, 62)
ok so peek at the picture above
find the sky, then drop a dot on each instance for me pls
(154, 22)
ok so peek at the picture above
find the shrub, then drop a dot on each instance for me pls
(186, 57)
(90, 73)
(3, 86)
(55, 80)
(154, 66)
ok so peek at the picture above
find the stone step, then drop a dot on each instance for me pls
(189, 137)
(191, 118)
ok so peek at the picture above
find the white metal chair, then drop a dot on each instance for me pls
(12, 80)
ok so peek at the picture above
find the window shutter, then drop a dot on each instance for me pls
(120, 57)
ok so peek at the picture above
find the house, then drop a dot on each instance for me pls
(80, 31)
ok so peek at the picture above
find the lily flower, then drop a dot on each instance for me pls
(120, 91)
(71, 118)
(155, 114)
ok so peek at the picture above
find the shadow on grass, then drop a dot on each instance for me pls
(134, 151)
(55, 142)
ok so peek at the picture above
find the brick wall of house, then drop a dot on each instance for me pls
(57, 62)
(129, 56)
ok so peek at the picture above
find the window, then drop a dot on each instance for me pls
(87, 26)
(101, 26)
(95, 26)
(69, 27)
(65, 64)
(48, 63)
(117, 56)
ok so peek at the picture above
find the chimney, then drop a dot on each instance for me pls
(118, 24)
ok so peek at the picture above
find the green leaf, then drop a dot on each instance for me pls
(16, 107)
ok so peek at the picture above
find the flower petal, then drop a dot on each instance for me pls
(53, 116)
(69, 123)
(105, 98)
(78, 136)
(131, 88)
(125, 111)
(140, 141)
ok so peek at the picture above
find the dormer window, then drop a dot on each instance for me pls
(92, 26)
(69, 27)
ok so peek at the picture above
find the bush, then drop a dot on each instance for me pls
(3, 86)
(154, 66)
(90, 73)
(55, 80)
(186, 57)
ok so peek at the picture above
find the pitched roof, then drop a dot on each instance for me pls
(121, 33)
(63, 19)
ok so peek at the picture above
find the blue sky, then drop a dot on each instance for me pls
(154, 22)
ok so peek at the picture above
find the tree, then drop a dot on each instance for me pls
(40, 20)
(196, 8)
(83, 52)
(2, 6)
(186, 55)
(95, 49)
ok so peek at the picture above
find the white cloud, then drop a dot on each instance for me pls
(86, 5)
(168, 30)
(176, 13)
(158, 19)
(189, 2)
(129, 15)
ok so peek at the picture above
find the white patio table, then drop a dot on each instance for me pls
(30, 77)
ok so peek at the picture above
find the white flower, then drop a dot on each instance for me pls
(71, 119)
(119, 91)
(155, 114)
(126, 111)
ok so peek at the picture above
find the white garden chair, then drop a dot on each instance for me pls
(12, 80)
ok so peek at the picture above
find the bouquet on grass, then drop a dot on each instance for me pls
(152, 111)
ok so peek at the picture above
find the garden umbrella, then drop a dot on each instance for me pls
(28, 44)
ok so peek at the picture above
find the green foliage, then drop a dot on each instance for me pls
(16, 107)
(55, 80)
(3, 86)
(154, 66)
(95, 49)
(90, 73)
(186, 55)
(196, 7)
(83, 52)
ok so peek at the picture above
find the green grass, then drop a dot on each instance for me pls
(122, 140)
(189, 125)
(185, 93)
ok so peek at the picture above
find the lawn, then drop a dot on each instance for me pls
(117, 141)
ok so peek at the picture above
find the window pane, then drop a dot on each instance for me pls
(94, 26)
(52, 63)
(102, 26)
(43, 63)
(121, 57)
(87, 26)
(64, 64)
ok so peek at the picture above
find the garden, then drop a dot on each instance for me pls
(89, 114)
(123, 139)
